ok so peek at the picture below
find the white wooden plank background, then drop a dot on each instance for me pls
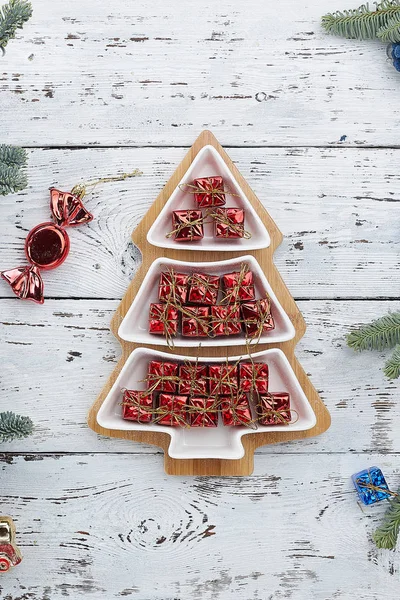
(98, 518)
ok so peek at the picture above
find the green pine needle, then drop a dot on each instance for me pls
(14, 426)
(12, 178)
(12, 156)
(391, 31)
(392, 366)
(12, 17)
(362, 23)
(386, 535)
(380, 334)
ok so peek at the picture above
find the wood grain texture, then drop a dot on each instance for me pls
(105, 526)
(146, 73)
(250, 442)
(56, 358)
(337, 208)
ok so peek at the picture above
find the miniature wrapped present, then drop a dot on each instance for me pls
(173, 287)
(162, 376)
(203, 412)
(371, 486)
(193, 379)
(273, 408)
(195, 321)
(203, 289)
(171, 411)
(137, 406)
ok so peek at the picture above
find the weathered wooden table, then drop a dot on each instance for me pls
(95, 88)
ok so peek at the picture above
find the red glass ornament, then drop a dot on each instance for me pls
(26, 283)
(47, 245)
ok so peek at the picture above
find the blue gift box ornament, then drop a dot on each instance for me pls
(371, 485)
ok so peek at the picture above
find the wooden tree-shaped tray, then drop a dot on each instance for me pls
(243, 466)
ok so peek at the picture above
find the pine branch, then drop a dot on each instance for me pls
(386, 535)
(392, 366)
(361, 23)
(13, 156)
(12, 17)
(380, 334)
(11, 180)
(14, 426)
(391, 31)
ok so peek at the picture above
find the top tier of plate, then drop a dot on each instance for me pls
(208, 162)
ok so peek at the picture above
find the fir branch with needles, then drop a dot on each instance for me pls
(362, 23)
(391, 31)
(12, 176)
(392, 365)
(14, 426)
(12, 17)
(378, 335)
(386, 535)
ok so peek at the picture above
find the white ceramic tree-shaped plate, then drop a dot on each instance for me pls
(135, 325)
(199, 442)
(208, 162)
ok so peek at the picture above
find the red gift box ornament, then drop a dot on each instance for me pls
(223, 379)
(187, 225)
(236, 411)
(225, 320)
(229, 223)
(257, 318)
(193, 379)
(162, 376)
(203, 412)
(195, 320)
(137, 406)
(239, 286)
(274, 409)
(253, 377)
(163, 320)
(171, 411)
(173, 287)
(209, 191)
(203, 289)
(47, 245)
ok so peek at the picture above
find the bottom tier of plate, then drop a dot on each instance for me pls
(220, 442)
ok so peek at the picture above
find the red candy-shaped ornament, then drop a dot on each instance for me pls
(47, 245)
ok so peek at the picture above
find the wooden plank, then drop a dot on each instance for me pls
(336, 208)
(56, 358)
(107, 526)
(146, 73)
(264, 257)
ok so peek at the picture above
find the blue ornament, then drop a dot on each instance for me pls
(396, 50)
(396, 64)
(370, 485)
